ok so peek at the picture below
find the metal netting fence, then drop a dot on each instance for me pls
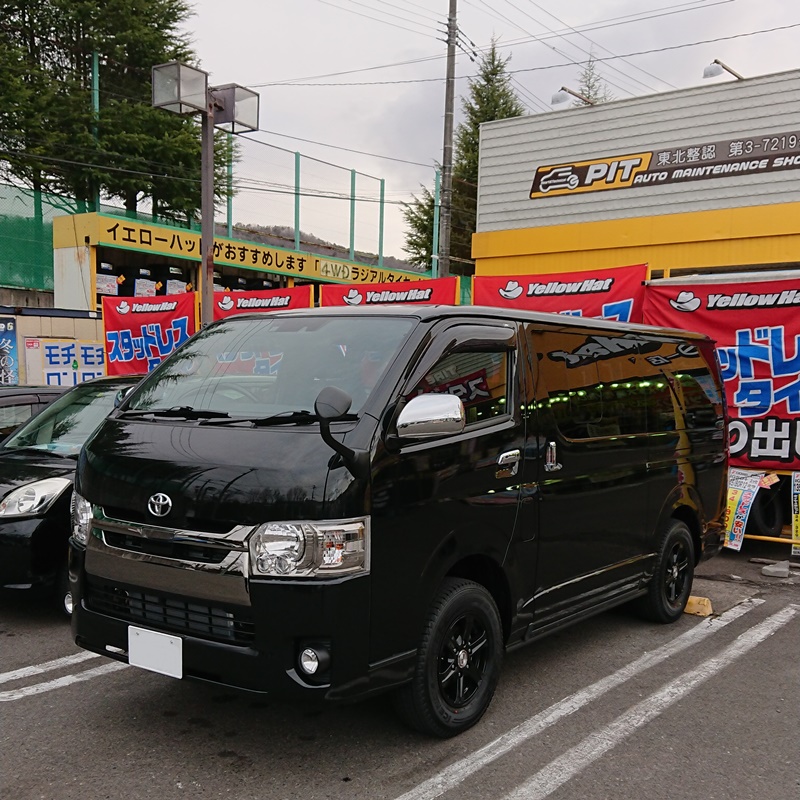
(26, 234)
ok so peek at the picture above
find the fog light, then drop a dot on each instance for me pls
(309, 661)
(313, 660)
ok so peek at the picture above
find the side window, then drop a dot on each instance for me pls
(699, 400)
(576, 401)
(683, 394)
(11, 417)
(569, 386)
(478, 378)
(604, 384)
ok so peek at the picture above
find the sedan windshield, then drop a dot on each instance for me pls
(66, 424)
(254, 368)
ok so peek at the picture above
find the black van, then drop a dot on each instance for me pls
(338, 502)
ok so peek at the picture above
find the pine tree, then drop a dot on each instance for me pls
(489, 97)
(591, 84)
(418, 216)
(49, 136)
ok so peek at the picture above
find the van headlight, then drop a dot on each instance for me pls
(81, 518)
(34, 498)
(310, 549)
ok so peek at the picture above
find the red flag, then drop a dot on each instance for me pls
(226, 304)
(438, 290)
(614, 293)
(140, 332)
(757, 329)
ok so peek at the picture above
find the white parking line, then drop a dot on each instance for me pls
(460, 770)
(38, 669)
(58, 683)
(566, 766)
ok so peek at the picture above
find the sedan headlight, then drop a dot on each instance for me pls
(81, 518)
(33, 499)
(310, 549)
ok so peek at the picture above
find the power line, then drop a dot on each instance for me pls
(564, 38)
(334, 147)
(602, 59)
(600, 25)
(374, 19)
(594, 42)
(428, 16)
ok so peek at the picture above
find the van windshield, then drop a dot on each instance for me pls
(258, 367)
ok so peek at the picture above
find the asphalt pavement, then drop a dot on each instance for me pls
(704, 709)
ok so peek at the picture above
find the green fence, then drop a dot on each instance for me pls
(26, 234)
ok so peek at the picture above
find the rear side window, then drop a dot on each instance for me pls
(11, 417)
(478, 378)
(600, 385)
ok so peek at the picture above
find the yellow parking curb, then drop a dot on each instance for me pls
(699, 606)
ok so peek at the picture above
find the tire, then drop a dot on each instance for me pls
(62, 593)
(671, 584)
(766, 514)
(458, 662)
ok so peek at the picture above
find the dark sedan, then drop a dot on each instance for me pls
(19, 403)
(37, 468)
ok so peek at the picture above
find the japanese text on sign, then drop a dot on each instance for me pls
(186, 244)
(151, 343)
(63, 362)
(9, 359)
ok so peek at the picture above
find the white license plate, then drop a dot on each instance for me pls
(158, 652)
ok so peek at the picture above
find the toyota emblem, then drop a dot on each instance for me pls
(159, 505)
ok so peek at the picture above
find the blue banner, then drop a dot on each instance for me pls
(9, 356)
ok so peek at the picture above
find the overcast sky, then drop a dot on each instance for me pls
(368, 75)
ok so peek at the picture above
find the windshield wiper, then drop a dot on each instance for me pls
(182, 412)
(43, 451)
(301, 417)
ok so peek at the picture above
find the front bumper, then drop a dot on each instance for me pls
(24, 562)
(250, 641)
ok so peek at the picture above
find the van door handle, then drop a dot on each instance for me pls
(551, 458)
(508, 464)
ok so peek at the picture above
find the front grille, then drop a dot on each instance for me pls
(176, 520)
(233, 625)
(185, 551)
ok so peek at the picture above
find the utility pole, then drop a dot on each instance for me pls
(447, 152)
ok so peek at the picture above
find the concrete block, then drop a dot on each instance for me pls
(779, 570)
(699, 606)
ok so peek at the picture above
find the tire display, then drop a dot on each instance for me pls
(766, 513)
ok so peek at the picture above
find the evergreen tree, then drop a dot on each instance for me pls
(418, 216)
(50, 138)
(592, 85)
(489, 97)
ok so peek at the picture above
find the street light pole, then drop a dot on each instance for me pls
(562, 95)
(207, 213)
(184, 89)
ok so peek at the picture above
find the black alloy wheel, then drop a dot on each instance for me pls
(677, 573)
(458, 662)
(463, 660)
(671, 585)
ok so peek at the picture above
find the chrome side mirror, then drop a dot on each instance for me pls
(429, 415)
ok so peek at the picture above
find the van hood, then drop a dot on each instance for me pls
(21, 467)
(215, 476)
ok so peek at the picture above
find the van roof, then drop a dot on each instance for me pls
(428, 313)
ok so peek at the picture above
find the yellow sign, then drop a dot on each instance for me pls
(590, 176)
(128, 234)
